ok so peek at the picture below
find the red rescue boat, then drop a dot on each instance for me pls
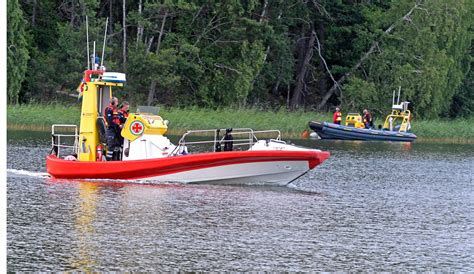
(240, 156)
(277, 167)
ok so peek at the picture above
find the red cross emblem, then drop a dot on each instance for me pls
(136, 128)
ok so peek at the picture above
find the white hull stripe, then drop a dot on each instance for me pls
(274, 173)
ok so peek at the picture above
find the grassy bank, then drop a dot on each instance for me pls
(291, 124)
(41, 117)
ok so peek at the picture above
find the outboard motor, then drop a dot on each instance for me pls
(229, 140)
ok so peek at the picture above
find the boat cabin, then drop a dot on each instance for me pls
(145, 126)
(96, 91)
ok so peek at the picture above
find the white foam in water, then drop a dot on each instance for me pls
(301, 189)
(21, 172)
(37, 174)
(131, 181)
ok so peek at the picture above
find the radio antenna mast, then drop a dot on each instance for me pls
(93, 57)
(399, 89)
(87, 35)
(103, 47)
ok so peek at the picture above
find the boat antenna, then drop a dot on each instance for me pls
(87, 35)
(393, 98)
(398, 100)
(103, 47)
(93, 57)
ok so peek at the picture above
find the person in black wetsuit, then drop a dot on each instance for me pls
(367, 118)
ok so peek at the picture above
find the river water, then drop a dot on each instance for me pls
(370, 206)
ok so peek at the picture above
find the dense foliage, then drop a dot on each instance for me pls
(17, 51)
(299, 54)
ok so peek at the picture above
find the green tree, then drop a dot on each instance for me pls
(265, 53)
(463, 101)
(424, 55)
(17, 50)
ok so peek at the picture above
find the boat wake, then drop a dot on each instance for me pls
(26, 173)
(306, 190)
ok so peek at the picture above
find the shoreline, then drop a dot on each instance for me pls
(291, 124)
(288, 135)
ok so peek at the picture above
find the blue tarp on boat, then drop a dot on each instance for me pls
(327, 130)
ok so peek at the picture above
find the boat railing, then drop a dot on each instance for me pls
(241, 137)
(61, 135)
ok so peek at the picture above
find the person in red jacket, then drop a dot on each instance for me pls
(123, 112)
(113, 129)
(337, 117)
(122, 115)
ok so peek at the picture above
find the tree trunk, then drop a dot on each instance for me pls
(149, 44)
(151, 92)
(264, 10)
(276, 87)
(140, 27)
(362, 59)
(322, 81)
(288, 96)
(73, 13)
(298, 91)
(111, 17)
(161, 31)
(323, 62)
(33, 13)
(124, 26)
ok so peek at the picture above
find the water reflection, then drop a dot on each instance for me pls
(85, 215)
(407, 146)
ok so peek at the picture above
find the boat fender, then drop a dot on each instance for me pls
(305, 134)
(183, 150)
(70, 158)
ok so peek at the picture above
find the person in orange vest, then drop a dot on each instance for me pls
(337, 117)
(123, 112)
(113, 129)
(122, 115)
